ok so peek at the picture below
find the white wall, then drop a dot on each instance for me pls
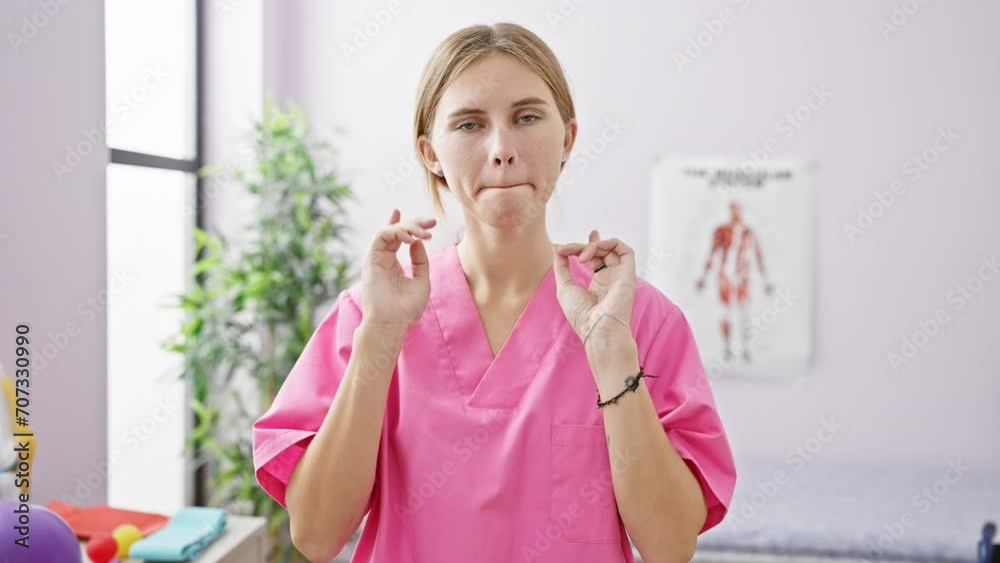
(889, 98)
(233, 101)
(52, 236)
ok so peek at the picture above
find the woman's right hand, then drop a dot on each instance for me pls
(388, 295)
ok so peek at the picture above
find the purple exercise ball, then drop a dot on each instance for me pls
(50, 537)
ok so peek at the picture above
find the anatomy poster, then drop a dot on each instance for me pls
(735, 241)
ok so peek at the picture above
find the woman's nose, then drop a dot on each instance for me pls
(502, 149)
(502, 161)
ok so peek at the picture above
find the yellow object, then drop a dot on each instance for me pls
(9, 397)
(126, 535)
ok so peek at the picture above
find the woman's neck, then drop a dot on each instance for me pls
(505, 263)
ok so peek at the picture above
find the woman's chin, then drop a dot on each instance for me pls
(511, 206)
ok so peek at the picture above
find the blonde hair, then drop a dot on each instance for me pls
(468, 45)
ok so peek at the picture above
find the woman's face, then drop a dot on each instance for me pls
(499, 140)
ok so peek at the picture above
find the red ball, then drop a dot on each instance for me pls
(102, 548)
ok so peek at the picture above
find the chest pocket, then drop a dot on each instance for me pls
(583, 500)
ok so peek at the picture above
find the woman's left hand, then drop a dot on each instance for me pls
(612, 289)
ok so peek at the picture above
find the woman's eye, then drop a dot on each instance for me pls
(531, 118)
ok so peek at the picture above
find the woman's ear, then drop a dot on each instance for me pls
(426, 153)
(570, 138)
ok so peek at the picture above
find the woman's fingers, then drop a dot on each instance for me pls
(419, 261)
(409, 231)
(390, 239)
(418, 226)
(570, 248)
(582, 250)
(422, 222)
(610, 251)
(615, 252)
(588, 251)
(577, 249)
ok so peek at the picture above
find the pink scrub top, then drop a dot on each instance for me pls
(498, 459)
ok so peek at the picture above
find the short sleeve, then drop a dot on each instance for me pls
(684, 402)
(282, 434)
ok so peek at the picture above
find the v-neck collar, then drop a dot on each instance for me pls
(486, 381)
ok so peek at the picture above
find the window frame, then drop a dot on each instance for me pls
(196, 488)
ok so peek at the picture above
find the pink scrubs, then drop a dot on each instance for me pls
(501, 459)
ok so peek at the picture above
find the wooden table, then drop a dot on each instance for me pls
(243, 541)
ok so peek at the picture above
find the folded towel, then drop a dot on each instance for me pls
(184, 537)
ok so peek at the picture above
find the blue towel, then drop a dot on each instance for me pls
(184, 536)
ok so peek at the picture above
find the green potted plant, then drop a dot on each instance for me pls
(252, 311)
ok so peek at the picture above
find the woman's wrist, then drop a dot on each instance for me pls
(611, 347)
(386, 334)
(606, 332)
(611, 369)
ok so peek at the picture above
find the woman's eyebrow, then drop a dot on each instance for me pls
(530, 100)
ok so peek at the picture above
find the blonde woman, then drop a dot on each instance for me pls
(505, 398)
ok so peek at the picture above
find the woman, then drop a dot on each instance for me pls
(453, 400)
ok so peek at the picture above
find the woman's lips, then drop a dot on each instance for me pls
(502, 187)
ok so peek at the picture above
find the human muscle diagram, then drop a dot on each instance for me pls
(739, 235)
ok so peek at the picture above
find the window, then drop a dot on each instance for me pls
(152, 62)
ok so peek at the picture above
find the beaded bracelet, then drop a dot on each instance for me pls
(631, 384)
